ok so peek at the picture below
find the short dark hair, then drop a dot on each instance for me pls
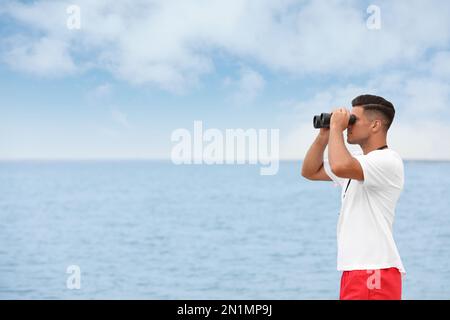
(379, 105)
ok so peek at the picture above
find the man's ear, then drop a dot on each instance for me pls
(376, 125)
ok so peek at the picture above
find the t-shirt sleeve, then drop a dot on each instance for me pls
(340, 181)
(381, 169)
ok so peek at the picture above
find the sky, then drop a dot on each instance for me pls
(135, 71)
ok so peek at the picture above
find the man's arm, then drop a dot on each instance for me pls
(312, 167)
(342, 163)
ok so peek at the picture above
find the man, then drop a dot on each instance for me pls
(371, 185)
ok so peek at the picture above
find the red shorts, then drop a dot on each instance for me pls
(381, 284)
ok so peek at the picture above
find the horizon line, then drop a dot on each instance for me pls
(116, 159)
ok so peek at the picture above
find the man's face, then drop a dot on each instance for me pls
(360, 130)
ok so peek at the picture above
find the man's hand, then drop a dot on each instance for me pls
(324, 134)
(339, 119)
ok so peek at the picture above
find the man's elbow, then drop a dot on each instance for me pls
(304, 174)
(338, 169)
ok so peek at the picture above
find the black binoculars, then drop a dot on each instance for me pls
(323, 120)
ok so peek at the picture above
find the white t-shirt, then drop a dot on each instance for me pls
(364, 230)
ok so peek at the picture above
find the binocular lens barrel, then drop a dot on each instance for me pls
(323, 120)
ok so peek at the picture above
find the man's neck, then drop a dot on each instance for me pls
(372, 145)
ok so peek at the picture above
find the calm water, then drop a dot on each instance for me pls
(152, 230)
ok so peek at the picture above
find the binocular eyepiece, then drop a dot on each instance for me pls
(323, 120)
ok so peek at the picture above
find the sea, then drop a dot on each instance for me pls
(137, 229)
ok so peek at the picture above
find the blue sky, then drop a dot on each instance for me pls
(137, 70)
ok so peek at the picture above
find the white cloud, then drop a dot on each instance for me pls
(103, 90)
(170, 43)
(426, 96)
(100, 93)
(426, 140)
(120, 118)
(440, 64)
(247, 87)
(44, 57)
